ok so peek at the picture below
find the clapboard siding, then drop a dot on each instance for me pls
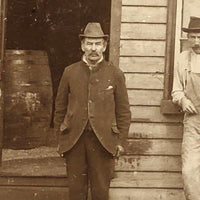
(139, 31)
(34, 181)
(151, 167)
(142, 64)
(144, 14)
(61, 193)
(126, 180)
(33, 193)
(145, 2)
(146, 194)
(142, 48)
(147, 179)
(148, 163)
(136, 179)
(145, 97)
(122, 180)
(144, 81)
(156, 130)
(154, 147)
(152, 114)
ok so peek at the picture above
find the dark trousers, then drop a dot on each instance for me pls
(87, 162)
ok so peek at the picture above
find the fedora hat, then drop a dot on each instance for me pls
(194, 25)
(93, 30)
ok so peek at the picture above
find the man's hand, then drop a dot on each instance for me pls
(188, 106)
(119, 151)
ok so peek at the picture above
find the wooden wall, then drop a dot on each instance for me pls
(152, 167)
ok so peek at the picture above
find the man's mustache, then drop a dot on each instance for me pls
(93, 54)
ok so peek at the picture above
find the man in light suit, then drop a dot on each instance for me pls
(93, 117)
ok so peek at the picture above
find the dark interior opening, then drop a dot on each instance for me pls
(54, 26)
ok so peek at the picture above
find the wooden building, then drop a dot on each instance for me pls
(145, 38)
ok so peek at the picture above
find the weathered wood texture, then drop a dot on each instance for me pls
(170, 43)
(146, 179)
(148, 163)
(139, 31)
(54, 169)
(168, 107)
(146, 194)
(152, 114)
(154, 147)
(145, 2)
(154, 144)
(121, 179)
(144, 81)
(60, 193)
(33, 193)
(2, 38)
(42, 167)
(156, 130)
(142, 48)
(142, 64)
(115, 31)
(34, 181)
(144, 14)
(145, 97)
(54, 166)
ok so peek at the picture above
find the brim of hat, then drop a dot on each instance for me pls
(189, 30)
(92, 36)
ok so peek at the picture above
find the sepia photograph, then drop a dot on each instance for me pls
(99, 100)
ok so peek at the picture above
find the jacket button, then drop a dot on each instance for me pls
(90, 101)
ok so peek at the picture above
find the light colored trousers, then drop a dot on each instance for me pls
(191, 157)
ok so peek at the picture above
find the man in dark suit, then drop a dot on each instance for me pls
(93, 117)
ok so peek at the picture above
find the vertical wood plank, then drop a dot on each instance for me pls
(2, 45)
(169, 62)
(115, 26)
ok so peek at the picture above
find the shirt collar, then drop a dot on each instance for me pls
(91, 67)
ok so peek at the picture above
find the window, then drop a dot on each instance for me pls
(179, 12)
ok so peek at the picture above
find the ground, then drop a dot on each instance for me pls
(42, 161)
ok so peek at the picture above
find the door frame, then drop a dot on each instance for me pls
(114, 48)
(2, 48)
(115, 29)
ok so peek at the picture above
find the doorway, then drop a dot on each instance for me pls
(41, 40)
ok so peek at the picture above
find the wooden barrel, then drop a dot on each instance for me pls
(27, 99)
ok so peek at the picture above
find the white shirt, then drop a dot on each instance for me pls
(181, 73)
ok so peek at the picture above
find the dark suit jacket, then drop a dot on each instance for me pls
(99, 96)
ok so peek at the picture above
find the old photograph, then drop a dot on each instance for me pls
(99, 100)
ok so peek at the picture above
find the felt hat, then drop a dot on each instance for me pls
(194, 25)
(93, 30)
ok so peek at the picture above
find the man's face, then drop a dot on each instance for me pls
(194, 40)
(93, 48)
